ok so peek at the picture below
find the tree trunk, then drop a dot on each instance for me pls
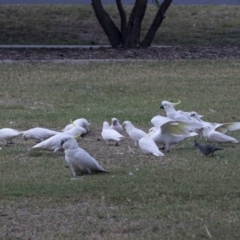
(129, 36)
(155, 24)
(109, 27)
(133, 30)
(123, 18)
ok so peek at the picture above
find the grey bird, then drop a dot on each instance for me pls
(207, 149)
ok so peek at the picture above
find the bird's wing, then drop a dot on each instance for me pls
(223, 128)
(68, 127)
(173, 129)
(159, 120)
(182, 117)
(53, 143)
(136, 134)
(87, 161)
(43, 133)
(215, 136)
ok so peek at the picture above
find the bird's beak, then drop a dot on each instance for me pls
(174, 104)
(161, 106)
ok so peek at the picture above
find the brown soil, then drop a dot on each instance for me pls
(153, 53)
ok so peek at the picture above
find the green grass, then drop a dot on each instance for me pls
(77, 24)
(182, 195)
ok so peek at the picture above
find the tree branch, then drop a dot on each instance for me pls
(109, 27)
(123, 18)
(156, 23)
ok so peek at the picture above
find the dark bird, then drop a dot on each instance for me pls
(207, 149)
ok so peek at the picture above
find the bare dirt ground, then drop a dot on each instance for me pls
(153, 53)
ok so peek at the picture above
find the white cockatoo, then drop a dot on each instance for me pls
(220, 127)
(173, 114)
(54, 143)
(81, 122)
(134, 133)
(78, 159)
(109, 134)
(76, 131)
(168, 132)
(148, 146)
(39, 134)
(7, 135)
(214, 136)
(116, 125)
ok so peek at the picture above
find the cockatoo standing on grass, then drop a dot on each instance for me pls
(81, 122)
(148, 146)
(7, 135)
(109, 134)
(214, 136)
(134, 133)
(116, 125)
(54, 143)
(78, 159)
(39, 134)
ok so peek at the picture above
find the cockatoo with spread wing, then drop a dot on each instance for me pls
(134, 133)
(39, 134)
(219, 127)
(148, 146)
(80, 161)
(159, 120)
(168, 132)
(173, 114)
(214, 136)
(116, 125)
(109, 134)
(7, 135)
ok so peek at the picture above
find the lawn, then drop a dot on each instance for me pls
(182, 195)
(77, 24)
